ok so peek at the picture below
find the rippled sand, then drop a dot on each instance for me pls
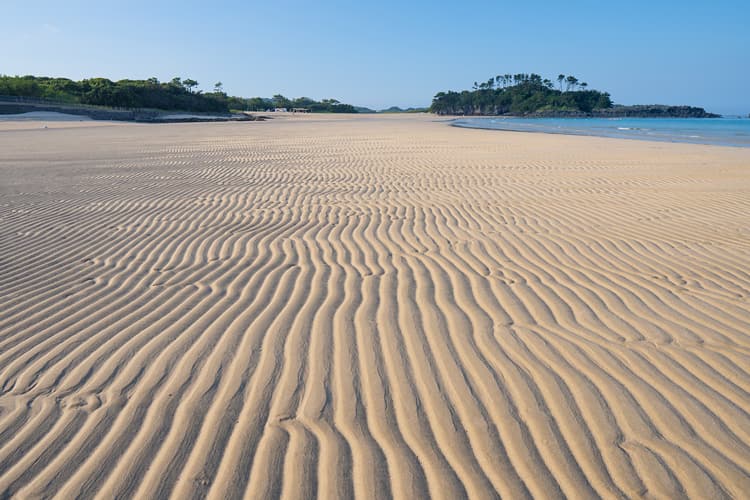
(370, 307)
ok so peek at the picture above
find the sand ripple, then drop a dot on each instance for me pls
(379, 307)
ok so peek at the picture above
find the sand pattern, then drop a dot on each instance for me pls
(372, 308)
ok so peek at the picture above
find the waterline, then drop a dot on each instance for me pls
(714, 131)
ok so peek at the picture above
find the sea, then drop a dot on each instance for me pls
(715, 131)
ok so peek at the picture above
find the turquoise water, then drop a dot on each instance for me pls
(717, 131)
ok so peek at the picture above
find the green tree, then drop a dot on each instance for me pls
(258, 104)
(525, 93)
(279, 101)
(189, 84)
(571, 82)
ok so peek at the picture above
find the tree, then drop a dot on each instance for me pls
(218, 88)
(189, 84)
(604, 101)
(526, 93)
(571, 82)
(279, 101)
(257, 104)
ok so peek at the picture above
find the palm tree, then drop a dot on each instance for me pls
(560, 79)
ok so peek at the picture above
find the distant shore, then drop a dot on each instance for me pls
(634, 111)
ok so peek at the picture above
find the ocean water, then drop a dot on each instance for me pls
(716, 131)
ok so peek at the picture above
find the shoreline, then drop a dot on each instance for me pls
(592, 132)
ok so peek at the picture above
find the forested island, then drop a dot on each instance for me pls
(175, 95)
(530, 95)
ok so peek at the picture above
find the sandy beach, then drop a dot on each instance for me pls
(370, 307)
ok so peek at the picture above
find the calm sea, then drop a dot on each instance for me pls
(717, 131)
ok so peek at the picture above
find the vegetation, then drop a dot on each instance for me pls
(362, 109)
(531, 95)
(521, 94)
(396, 109)
(653, 111)
(324, 106)
(175, 95)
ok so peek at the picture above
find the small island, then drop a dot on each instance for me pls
(531, 96)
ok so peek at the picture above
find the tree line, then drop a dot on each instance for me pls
(522, 94)
(279, 101)
(177, 94)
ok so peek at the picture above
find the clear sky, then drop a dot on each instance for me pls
(390, 52)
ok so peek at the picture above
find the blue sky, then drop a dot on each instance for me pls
(389, 52)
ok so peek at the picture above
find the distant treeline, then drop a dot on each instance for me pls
(533, 96)
(521, 94)
(176, 95)
(279, 101)
(396, 109)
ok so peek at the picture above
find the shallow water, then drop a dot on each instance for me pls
(717, 131)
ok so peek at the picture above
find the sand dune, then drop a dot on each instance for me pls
(371, 307)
